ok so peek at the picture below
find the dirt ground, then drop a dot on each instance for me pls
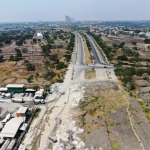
(87, 54)
(122, 38)
(105, 119)
(15, 72)
(90, 74)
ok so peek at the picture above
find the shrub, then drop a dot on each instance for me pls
(61, 65)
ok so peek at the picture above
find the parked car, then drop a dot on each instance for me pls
(23, 94)
(39, 101)
(27, 94)
(17, 100)
(50, 92)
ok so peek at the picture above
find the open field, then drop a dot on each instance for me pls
(122, 38)
(15, 72)
(90, 74)
(104, 115)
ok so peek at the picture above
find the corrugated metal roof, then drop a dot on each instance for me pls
(22, 110)
(11, 127)
(15, 86)
(3, 89)
(30, 90)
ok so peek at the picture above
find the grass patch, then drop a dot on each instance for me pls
(115, 145)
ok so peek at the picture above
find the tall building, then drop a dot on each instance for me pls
(69, 19)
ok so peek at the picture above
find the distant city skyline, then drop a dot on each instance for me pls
(81, 10)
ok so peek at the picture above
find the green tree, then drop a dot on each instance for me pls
(46, 49)
(1, 58)
(24, 50)
(11, 58)
(133, 42)
(16, 58)
(115, 45)
(30, 78)
(122, 58)
(145, 76)
(18, 53)
(36, 75)
(61, 65)
(30, 67)
(130, 85)
(121, 45)
(34, 40)
(127, 79)
(147, 41)
(35, 87)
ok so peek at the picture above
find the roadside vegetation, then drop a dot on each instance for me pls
(44, 64)
(97, 113)
(88, 58)
(107, 49)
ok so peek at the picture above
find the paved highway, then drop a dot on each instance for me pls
(80, 50)
(78, 57)
(100, 57)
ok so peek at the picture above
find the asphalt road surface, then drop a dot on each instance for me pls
(97, 52)
(80, 55)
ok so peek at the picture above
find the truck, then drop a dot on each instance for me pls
(8, 95)
(17, 100)
(40, 101)
(8, 116)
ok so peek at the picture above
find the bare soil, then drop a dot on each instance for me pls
(87, 53)
(90, 74)
(105, 119)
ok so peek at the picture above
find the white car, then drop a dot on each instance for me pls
(39, 101)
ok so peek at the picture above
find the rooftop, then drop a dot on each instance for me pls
(22, 110)
(11, 127)
(39, 34)
(3, 89)
(15, 86)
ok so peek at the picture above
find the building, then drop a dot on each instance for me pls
(22, 112)
(69, 19)
(40, 36)
(17, 88)
(11, 127)
(142, 33)
(147, 34)
(129, 32)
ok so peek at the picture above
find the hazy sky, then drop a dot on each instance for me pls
(55, 10)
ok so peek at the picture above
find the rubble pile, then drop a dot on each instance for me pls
(56, 87)
(77, 92)
(66, 137)
(67, 140)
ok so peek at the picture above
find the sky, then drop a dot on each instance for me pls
(80, 10)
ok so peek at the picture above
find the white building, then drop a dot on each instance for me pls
(142, 33)
(147, 34)
(39, 36)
